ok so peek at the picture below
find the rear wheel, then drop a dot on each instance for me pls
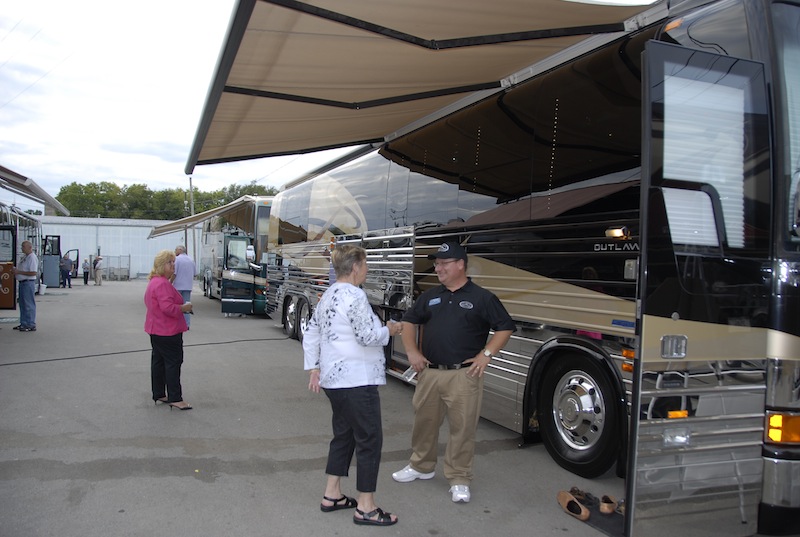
(577, 415)
(290, 318)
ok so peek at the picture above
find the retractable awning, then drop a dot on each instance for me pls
(238, 212)
(19, 184)
(295, 77)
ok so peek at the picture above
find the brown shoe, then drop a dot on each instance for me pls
(571, 506)
(608, 505)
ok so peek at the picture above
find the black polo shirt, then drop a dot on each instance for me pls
(457, 323)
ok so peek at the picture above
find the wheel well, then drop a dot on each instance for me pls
(544, 359)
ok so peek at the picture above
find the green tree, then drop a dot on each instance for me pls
(234, 191)
(168, 204)
(107, 200)
(82, 200)
(138, 202)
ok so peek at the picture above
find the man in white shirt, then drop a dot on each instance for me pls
(183, 281)
(26, 273)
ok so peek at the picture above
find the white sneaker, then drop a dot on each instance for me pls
(460, 493)
(408, 474)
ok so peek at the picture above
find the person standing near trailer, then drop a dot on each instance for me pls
(66, 271)
(86, 268)
(26, 273)
(98, 270)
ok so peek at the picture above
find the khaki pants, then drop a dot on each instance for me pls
(98, 277)
(457, 396)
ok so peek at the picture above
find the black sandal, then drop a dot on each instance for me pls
(345, 502)
(384, 519)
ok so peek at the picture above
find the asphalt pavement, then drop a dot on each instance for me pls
(85, 453)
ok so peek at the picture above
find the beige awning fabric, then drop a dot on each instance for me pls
(240, 213)
(295, 77)
(19, 184)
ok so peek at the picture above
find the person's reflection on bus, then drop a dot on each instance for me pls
(590, 273)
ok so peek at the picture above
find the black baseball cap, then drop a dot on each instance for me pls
(449, 250)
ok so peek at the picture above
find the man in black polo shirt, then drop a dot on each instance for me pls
(457, 316)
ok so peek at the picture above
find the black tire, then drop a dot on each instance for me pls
(303, 317)
(577, 414)
(290, 318)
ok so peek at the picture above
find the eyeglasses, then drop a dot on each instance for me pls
(438, 264)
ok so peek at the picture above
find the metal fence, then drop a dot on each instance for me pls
(115, 267)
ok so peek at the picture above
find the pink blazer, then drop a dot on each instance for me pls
(164, 316)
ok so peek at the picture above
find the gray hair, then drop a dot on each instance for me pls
(344, 257)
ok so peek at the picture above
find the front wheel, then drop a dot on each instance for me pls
(577, 415)
(290, 318)
(303, 318)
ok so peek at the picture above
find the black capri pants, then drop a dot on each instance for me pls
(357, 428)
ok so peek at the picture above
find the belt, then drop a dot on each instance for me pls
(447, 366)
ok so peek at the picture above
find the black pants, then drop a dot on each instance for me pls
(165, 367)
(357, 428)
(86, 278)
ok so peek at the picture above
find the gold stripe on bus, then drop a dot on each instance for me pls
(782, 346)
(538, 299)
(705, 341)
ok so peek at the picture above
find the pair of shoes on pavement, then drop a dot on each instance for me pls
(460, 493)
(577, 503)
(27, 329)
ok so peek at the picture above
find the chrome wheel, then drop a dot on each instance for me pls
(303, 318)
(290, 318)
(577, 414)
(579, 410)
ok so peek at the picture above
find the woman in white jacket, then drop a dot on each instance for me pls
(343, 349)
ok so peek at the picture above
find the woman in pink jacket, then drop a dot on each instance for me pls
(165, 324)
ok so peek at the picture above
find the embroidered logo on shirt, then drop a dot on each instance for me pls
(467, 305)
(435, 301)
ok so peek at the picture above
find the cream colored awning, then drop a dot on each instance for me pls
(295, 77)
(239, 212)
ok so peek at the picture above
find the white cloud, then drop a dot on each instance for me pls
(93, 90)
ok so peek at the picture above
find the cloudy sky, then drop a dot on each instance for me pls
(98, 90)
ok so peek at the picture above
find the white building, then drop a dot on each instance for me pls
(123, 243)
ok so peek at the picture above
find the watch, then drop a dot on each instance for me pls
(487, 353)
